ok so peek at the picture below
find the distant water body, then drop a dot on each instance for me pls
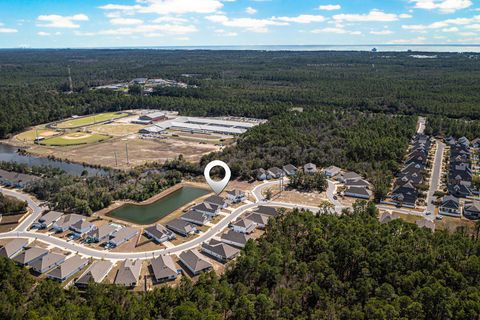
(380, 48)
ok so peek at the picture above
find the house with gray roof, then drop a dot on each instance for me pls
(471, 210)
(195, 217)
(209, 209)
(101, 233)
(68, 268)
(216, 200)
(237, 239)
(358, 192)
(159, 233)
(332, 171)
(276, 172)
(121, 236)
(260, 219)
(182, 227)
(29, 255)
(236, 195)
(194, 262)
(310, 168)
(244, 226)
(129, 273)
(220, 250)
(262, 174)
(95, 273)
(47, 220)
(82, 226)
(47, 262)
(66, 221)
(164, 269)
(290, 170)
(349, 175)
(13, 247)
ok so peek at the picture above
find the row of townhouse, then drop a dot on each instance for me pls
(405, 191)
(451, 206)
(41, 261)
(459, 177)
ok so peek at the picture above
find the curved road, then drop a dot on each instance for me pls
(21, 232)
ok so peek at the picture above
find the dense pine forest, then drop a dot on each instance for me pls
(305, 267)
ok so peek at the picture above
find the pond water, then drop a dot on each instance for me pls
(9, 153)
(147, 214)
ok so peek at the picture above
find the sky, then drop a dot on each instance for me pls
(130, 23)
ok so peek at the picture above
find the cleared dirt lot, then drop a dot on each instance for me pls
(140, 151)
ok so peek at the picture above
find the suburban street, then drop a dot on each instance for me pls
(435, 177)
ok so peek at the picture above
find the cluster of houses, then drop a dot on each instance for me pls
(147, 84)
(355, 185)
(81, 228)
(459, 177)
(406, 191)
(16, 180)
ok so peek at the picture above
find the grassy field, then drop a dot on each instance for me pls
(76, 138)
(89, 120)
(30, 135)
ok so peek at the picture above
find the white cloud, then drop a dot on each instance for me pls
(6, 30)
(373, 16)
(468, 34)
(336, 30)
(226, 33)
(147, 30)
(381, 32)
(249, 24)
(330, 7)
(250, 10)
(304, 18)
(442, 24)
(418, 40)
(170, 19)
(473, 27)
(125, 21)
(444, 6)
(47, 34)
(57, 21)
(163, 7)
(405, 16)
(452, 29)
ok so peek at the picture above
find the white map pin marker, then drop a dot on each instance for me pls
(217, 186)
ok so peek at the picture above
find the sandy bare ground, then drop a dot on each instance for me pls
(140, 151)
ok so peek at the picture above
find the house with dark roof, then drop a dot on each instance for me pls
(195, 217)
(68, 268)
(164, 269)
(405, 195)
(47, 220)
(207, 208)
(194, 262)
(450, 206)
(459, 190)
(216, 200)
(182, 227)
(266, 210)
(129, 273)
(29, 255)
(159, 233)
(358, 192)
(290, 170)
(95, 273)
(219, 250)
(236, 239)
(101, 233)
(349, 175)
(276, 173)
(360, 183)
(236, 196)
(244, 226)
(310, 168)
(471, 210)
(47, 262)
(262, 174)
(13, 247)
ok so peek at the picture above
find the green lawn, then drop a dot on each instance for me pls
(89, 120)
(62, 141)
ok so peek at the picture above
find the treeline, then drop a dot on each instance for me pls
(86, 195)
(453, 127)
(11, 205)
(305, 266)
(368, 143)
(33, 83)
